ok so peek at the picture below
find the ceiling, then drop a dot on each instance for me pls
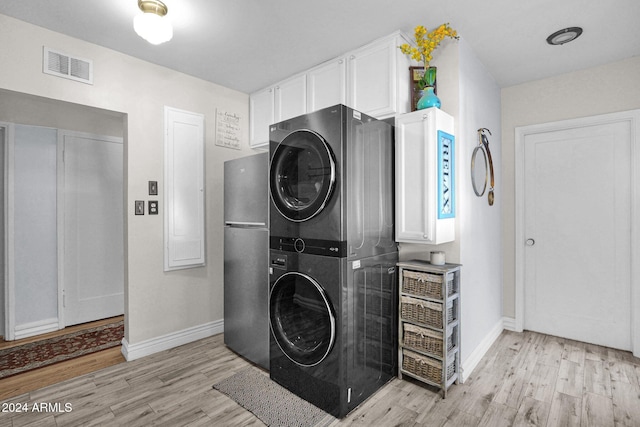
(249, 44)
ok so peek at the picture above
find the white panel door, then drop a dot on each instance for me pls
(577, 225)
(184, 189)
(92, 216)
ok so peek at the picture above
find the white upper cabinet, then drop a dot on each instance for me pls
(290, 98)
(261, 116)
(326, 85)
(279, 102)
(378, 81)
(425, 177)
(373, 79)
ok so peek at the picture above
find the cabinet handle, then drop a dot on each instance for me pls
(341, 61)
(530, 242)
(352, 57)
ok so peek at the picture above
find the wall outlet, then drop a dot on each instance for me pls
(153, 207)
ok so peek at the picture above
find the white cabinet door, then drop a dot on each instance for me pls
(378, 78)
(417, 219)
(291, 98)
(261, 106)
(326, 85)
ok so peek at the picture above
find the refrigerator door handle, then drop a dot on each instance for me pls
(245, 224)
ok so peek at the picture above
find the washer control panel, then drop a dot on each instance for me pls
(309, 246)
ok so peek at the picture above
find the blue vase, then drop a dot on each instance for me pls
(428, 99)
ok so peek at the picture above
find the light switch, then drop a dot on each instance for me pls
(139, 207)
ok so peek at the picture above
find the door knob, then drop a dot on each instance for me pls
(530, 242)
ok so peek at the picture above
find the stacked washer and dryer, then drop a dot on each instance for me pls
(333, 299)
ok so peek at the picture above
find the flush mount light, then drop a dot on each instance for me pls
(564, 36)
(152, 24)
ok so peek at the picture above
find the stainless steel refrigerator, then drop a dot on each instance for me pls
(246, 253)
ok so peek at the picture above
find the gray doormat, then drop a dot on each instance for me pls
(272, 403)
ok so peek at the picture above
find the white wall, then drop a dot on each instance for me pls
(599, 90)
(470, 94)
(479, 224)
(156, 303)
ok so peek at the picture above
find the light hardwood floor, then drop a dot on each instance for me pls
(32, 380)
(525, 379)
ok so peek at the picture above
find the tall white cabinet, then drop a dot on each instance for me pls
(373, 79)
(425, 177)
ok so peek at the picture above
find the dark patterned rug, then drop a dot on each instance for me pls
(272, 403)
(37, 354)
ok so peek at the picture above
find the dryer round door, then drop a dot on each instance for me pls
(303, 175)
(301, 319)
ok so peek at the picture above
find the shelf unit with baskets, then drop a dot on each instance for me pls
(429, 326)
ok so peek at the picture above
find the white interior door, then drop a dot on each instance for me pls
(92, 252)
(577, 222)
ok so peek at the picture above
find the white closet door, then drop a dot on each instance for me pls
(577, 225)
(93, 237)
(184, 190)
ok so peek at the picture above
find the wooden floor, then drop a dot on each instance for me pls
(38, 378)
(525, 379)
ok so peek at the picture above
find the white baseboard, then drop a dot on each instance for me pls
(478, 353)
(509, 324)
(174, 339)
(36, 328)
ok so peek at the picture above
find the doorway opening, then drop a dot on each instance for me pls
(84, 150)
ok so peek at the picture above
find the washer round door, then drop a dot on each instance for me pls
(303, 175)
(301, 319)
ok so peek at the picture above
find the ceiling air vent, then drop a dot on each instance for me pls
(63, 65)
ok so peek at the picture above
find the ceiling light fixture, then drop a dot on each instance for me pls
(564, 36)
(152, 24)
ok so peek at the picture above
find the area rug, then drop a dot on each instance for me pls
(22, 358)
(272, 403)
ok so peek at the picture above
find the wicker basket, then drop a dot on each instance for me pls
(426, 367)
(422, 284)
(452, 284)
(420, 311)
(422, 339)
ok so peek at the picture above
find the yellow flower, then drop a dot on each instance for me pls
(426, 43)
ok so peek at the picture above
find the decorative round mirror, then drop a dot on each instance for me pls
(479, 170)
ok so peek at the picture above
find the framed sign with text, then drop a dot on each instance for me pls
(446, 176)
